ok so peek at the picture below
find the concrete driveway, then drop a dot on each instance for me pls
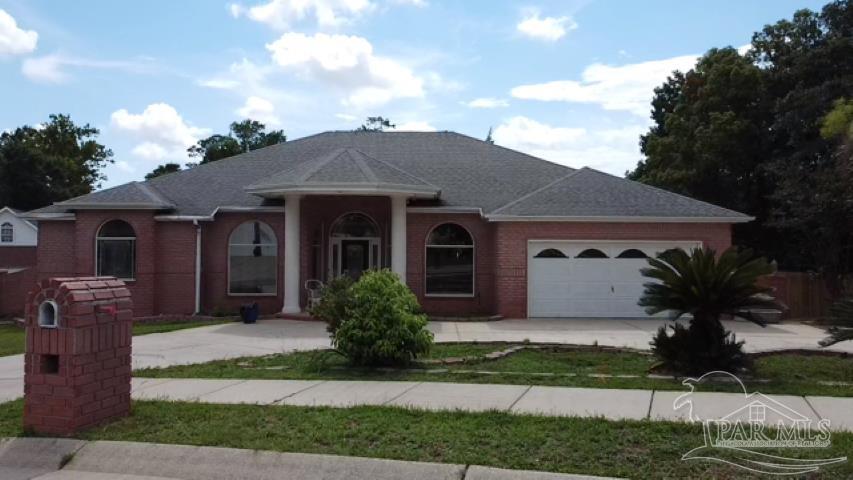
(231, 340)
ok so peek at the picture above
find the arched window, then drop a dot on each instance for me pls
(252, 260)
(632, 253)
(450, 261)
(7, 233)
(550, 253)
(355, 225)
(591, 253)
(116, 250)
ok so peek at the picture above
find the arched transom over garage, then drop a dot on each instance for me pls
(590, 278)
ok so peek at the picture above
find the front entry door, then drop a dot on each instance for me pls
(355, 258)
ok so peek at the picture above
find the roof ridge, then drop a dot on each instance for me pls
(396, 168)
(318, 164)
(361, 164)
(538, 190)
(152, 193)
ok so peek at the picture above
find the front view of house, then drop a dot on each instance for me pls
(473, 228)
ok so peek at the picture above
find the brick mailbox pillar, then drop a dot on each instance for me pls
(77, 362)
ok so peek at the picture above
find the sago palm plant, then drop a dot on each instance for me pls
(706, 287)
(841, 314)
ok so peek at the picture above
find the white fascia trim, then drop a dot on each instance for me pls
(475, 210)
(600, 219)
(348, 189)
(42, 217)
(224, 209)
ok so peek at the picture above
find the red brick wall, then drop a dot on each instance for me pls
(214, 263)
(511, 248)
(418, 228)
(174, 281)
(56, 249)
(17, 256)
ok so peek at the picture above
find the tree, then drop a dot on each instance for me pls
(841, 314)
(243, 136)
(376, 124)
(744, 132)
(489, 138)
(50, 163)
(164, 169)
(705, 287)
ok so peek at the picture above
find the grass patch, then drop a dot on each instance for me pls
(632, 449)
(12, 339)
(794, 374)
(148, 328)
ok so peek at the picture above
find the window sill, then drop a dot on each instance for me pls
(252, 294)
(449, 295)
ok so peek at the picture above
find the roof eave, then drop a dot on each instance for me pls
(47, 216)
(620, 219)
(115, 206)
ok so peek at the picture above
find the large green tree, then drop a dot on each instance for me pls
(163, 169)
(243, 136)
(50, 163)
(744, 131)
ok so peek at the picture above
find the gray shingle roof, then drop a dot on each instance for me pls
(467, 171)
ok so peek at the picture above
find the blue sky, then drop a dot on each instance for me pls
(569, 81)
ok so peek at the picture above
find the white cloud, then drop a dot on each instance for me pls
(54, 68)
(744, 49)
(346, 117)
(283, 14)
(549, 29)
(259, 109)
(627, 87)
(414, 3)
(613, 150)
(347, 63)
(415, 126)
(124, 166)
(486, 102)
(163, 133)
(13, 39)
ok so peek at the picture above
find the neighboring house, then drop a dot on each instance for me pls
(473, 228)
(18, 239)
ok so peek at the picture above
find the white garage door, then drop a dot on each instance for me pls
(589, 279)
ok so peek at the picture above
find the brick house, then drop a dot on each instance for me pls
(485, 230)
(18, 238)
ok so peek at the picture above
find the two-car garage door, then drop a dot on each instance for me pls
(589, 279)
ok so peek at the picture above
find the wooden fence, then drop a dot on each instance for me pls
(805, 294)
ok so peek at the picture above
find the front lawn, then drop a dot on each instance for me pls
(628, 449)
(12, 337)
(788, 373)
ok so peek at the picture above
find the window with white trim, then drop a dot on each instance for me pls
(7, 233)
(116, 250)
(450, 261)
(252, 260)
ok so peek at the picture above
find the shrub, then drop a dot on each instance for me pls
(705, 287)
(383, 324)
(332, 307)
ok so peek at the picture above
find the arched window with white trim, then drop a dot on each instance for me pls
(7, 233)
(115, 247)
(252, 260)
(450, 261)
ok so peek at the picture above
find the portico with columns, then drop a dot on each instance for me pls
(344, 213)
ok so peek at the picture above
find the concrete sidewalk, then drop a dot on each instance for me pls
(611, 404)
(62, 459)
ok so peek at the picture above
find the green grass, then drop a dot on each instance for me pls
(11, 340)
(785, 373)
(632, 449)
(12, 337)
(148, 328)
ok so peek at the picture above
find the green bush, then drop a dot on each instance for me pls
(332, 307)
(695, 351)
(383, 324)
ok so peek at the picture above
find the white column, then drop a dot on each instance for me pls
(291, 254)
(398, 236)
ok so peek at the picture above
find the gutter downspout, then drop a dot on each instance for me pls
(197, 267)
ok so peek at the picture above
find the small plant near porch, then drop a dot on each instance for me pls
(375, 321)
(706, 287)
